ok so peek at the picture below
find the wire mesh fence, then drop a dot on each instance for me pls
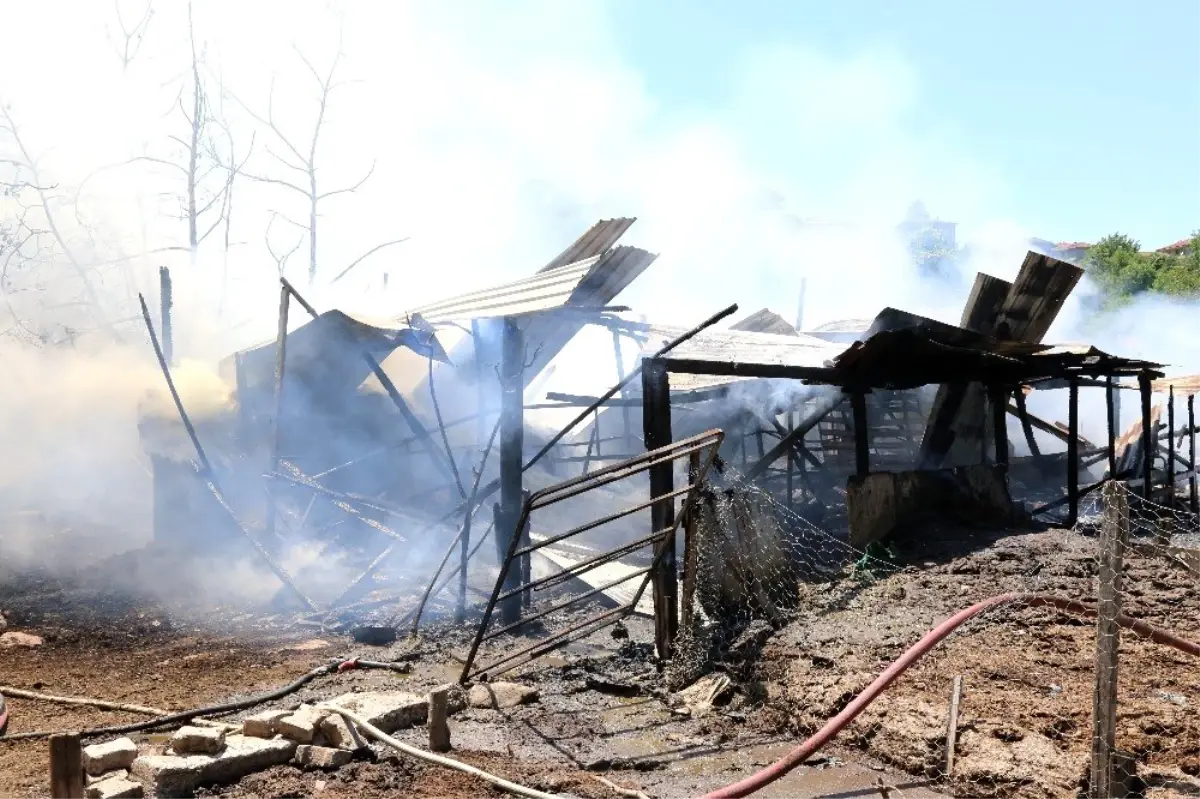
(1019, 677)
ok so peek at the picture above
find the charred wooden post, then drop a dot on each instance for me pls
(791, 428)
(1171, 446)
(1193, 495)
(1148, 446)
(999, 399)
(285, 297)
(66, 766)
(165, 302)
(862, 434)
(656, 424)
(1114, 536)
(691, 557)
(1110, 404)
(512, 434)
(1073, 452)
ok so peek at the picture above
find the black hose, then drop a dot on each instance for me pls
(188, 715)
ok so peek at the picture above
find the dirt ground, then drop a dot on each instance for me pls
(1025, 723)
(1024, 729)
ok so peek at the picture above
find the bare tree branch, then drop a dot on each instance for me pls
(364, 256)
(131, 37)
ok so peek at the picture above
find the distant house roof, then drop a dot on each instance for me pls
(1177, 247)
(1072, 245)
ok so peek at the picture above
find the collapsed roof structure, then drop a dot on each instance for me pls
(372, 438)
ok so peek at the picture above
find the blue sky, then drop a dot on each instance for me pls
(1089, 112)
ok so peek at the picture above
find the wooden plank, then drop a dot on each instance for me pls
(1114, 537)
(1029, 308)
(439, 730)
(862, 434)
(66, 766)
(565, 557)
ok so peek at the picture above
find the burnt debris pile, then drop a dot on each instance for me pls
(394, 472)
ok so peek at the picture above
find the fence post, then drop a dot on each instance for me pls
(66, 766)
(1114, 535)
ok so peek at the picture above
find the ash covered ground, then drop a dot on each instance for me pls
(603, 708)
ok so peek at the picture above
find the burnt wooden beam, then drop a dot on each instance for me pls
(1000, 424)
(821, 409)
(1144, 381)
(393, 393)
(862, 434)
(1111, 408)
(512, 439)
(1028, 308)
(656, 430)
(277, 418)
(1072, 454)
(1171, 446)
(1049, 427)
(1193, 495)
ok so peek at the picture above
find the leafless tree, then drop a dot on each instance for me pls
(129, 41)
(300, 159)
(34, 236)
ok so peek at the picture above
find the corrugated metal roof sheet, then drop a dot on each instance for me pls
(765, 321)
(541, 292)
(589, 273)
(599, 238)
(738, 346)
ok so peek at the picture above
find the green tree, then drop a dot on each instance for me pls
(1122, 271)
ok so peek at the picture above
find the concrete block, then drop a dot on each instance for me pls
(337, 732)
(109, 756)
(302, 725)
(387, 710)
(115, 787)
(500, 695)
(89, 779)
(264, 724)
(321, 756)
(198, 741)
(177, 775)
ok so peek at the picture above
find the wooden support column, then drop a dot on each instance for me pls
(1171, 446)
(1110, 403)
(691, 557)
(656, 430)
(164, 299)
(66, 766)
(791, 461)
(1073, 452)
(1114, 535)
(1193, 495)
(999, 398)
(862, 433)
(1148, 438)
(512, 435)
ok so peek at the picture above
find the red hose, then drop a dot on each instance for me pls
(810, 747)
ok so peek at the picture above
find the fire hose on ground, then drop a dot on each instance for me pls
(889, 675)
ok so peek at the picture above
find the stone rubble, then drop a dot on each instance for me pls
(114, 787)
(502, 695)
(387, 710)
(178, 775)
(110, 756)
(302, 725)
(338, 733)
(322, 757)
(264, 724)
(198, 741)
